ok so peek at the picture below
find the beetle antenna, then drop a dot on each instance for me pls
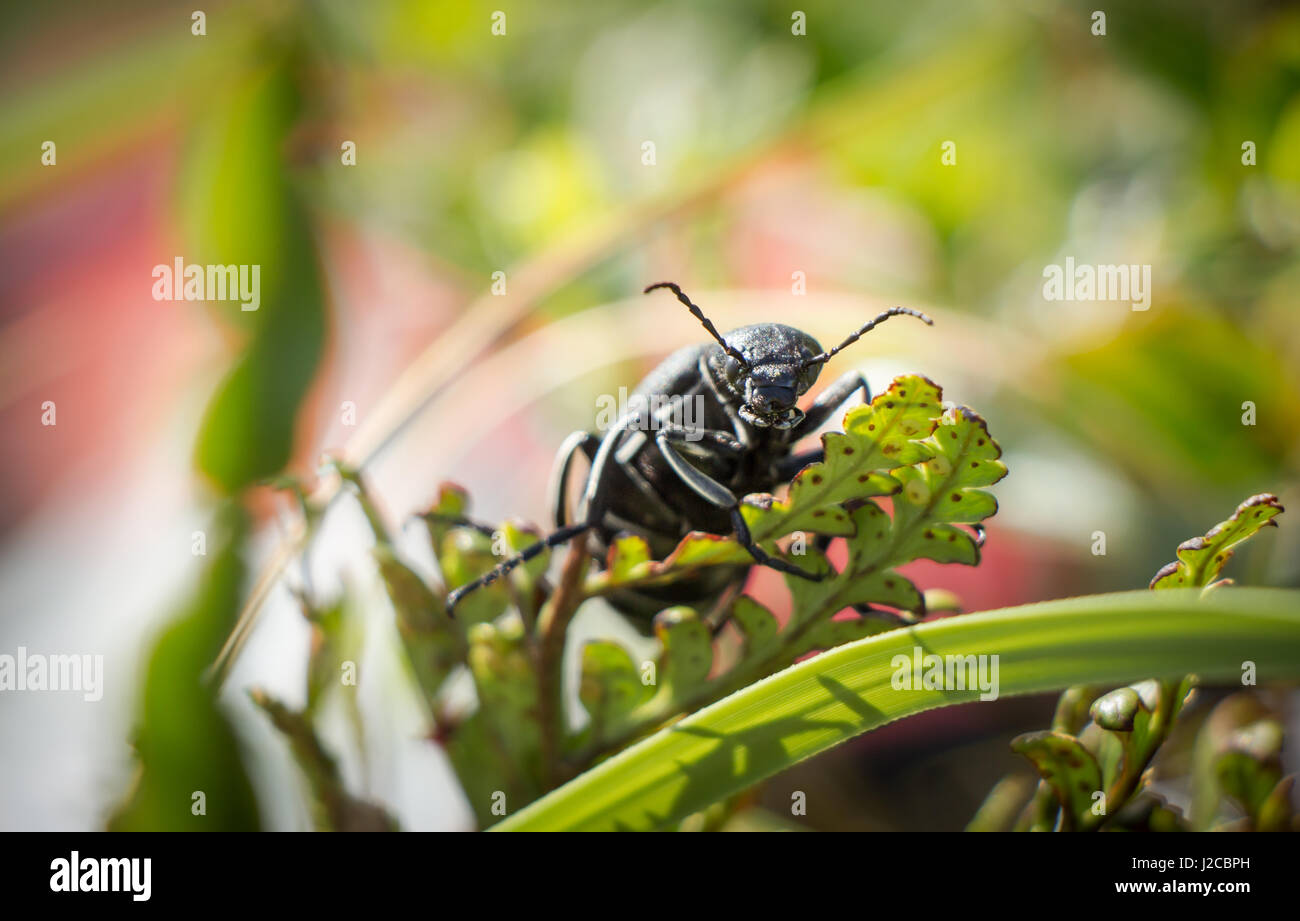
(699, 315)
(891, 312)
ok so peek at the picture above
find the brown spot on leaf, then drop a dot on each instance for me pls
(956, 497)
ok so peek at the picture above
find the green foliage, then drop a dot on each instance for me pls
(1068, 768)
(1250, 771)
(183, 738)
(241, 209)
(333, 808)
(1130, 724)
(1237, 780)
(1201, 559)
(886, 435)
(611, 688)
(434, 646)
(770, 725)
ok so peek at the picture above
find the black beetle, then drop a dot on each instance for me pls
(656, 478)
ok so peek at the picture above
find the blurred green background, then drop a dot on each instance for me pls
(776, 160)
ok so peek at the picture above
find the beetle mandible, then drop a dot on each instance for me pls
(655, 478)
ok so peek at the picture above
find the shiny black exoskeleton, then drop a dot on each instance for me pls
(711, 424)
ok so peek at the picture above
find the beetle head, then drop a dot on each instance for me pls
(763, 369)
(773, 375)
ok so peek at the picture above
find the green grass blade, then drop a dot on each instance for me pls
(806, 709)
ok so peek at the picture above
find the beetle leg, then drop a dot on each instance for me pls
(713, 442)
(591, 511)
(831, 399)
(788, 466)
(703, 485)
(594, 497)
(625, 459)
(532, 550)
(718, 440)
(762, 556)
(559, 489)
(744, 434)
(714, 492)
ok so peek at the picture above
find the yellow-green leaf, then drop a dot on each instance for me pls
(1201, 559)
(1068, 768)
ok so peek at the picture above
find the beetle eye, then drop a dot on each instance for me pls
(732, 370)
(808, 377)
